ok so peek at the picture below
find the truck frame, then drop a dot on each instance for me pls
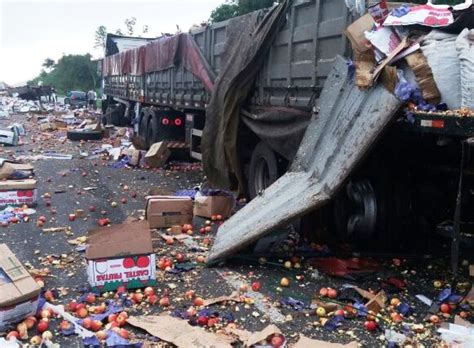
(416, 188)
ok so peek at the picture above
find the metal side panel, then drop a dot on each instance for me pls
(347, 125)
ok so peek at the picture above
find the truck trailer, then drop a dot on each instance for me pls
(244, 96)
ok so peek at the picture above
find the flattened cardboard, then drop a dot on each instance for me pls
(18, 290)
(157, 155)
(166, 211)
(119, 240)
(26, 184)
(207, 206)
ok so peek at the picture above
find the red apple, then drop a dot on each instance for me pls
(332, 293)
(137, 297)
(152, 299)
(277, 341)
(96, 325)
(180, 258)
(90, 298)
(202, 321)
(323, 292)
(256, 286)
(13, 336)
(42, 326)
(82, 313)
(198, 301)
(445, 308)
(164, 301)
(72, 306)
(87, 323)
(370, 325)
(124, 334)
(149, 291)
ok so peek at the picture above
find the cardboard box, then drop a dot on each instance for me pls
(7, 168)
(18, 192)
(8, 137)
(157, 155)
(121, 255)
(19, 293)
(207, 206)
(356, 32)
(166, 211)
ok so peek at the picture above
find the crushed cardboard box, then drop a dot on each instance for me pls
(157, 155)
(19, 292)
(166, 211)
(208, 206)
(121, 255)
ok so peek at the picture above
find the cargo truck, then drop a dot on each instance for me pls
(241, 94)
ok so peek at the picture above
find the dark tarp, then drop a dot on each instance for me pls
(249, 38)
(281, 128)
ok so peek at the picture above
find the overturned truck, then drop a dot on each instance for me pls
(274, 111)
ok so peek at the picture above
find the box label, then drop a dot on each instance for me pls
(121, 270)
(18, 197)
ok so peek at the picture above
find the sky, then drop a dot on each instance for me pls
(33, 30)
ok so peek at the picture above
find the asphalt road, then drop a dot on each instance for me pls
(32, 246)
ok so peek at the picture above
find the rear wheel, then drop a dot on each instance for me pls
(263, 169)
(152, 131)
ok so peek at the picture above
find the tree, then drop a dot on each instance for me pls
(100, 37)
(130, 25)
(236, 8)
(72, 72)
(223, 12)
(48, 64)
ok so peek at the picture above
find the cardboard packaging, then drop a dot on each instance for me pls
(121, 255)
(7, 168)
(19, 293)
(8, 137)
(356, 32)
(424, 76)
(207, 206)
(166, 211)
(18, 192)
(157, 155)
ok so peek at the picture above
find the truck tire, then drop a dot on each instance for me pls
(152, 131)
(115, 115)
(263, 170)
(84, 135)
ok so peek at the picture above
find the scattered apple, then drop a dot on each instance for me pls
(256, 286)
(36, 340)
(445, 308)
(323, 292)
(277, 341)
(13, 336)
(434, 319)
(370, 325)
(164, 301)
(101, 335)
(42, 326)
(321, 312)
(284, 282)
(287, 264)
(198, 301)
(332, 293)
(90, 298)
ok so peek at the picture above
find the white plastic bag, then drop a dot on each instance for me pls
(439, 49)
(465, 49)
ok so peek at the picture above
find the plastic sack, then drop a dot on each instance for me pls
(439, 49)
(465, 49)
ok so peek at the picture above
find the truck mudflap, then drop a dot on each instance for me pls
(347, 125)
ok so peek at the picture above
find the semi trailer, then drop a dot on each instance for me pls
(241, 94)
